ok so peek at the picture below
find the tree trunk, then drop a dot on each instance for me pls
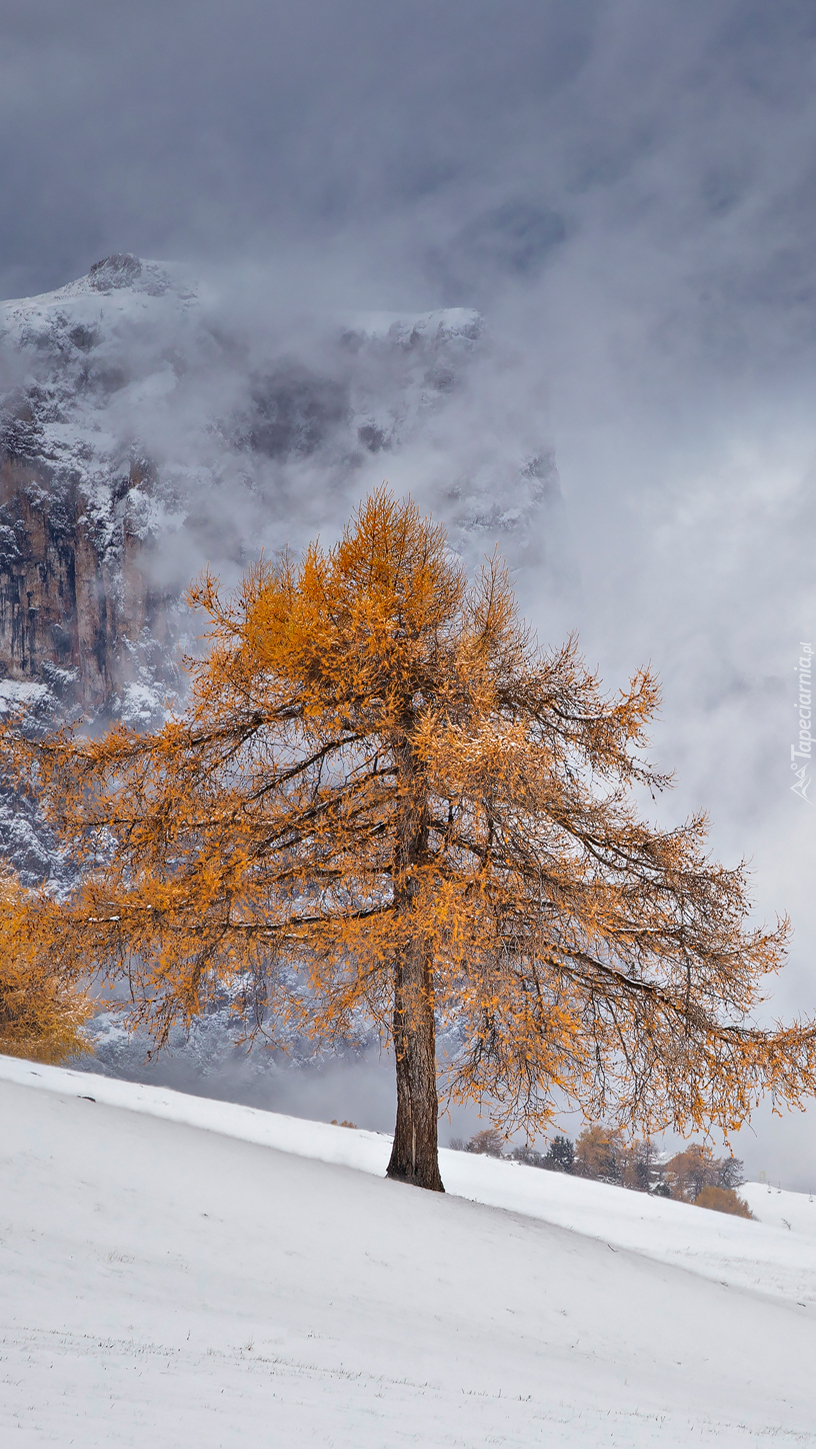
(414, 1157)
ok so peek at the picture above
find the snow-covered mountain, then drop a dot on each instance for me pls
(187, 1272)
(148, 425)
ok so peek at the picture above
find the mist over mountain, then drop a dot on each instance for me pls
(146, 431)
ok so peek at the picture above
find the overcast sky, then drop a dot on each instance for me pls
(441, 149)
(626, 189)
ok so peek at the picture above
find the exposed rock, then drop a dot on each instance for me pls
(73, 593)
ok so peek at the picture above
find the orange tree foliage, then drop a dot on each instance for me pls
(384, 798)
(696, 1168)
(600, 1153)
(41, 1012)
(723, 1200)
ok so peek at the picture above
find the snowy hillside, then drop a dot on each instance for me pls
(258, 1282)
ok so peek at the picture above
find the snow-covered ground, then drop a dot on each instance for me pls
(183, 1272)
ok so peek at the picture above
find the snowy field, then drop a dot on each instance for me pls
(183, 1272)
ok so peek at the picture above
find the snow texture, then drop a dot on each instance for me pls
(180, 1272)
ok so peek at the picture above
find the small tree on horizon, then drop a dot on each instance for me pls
(696, 1167)
(560, 1154)
(489, 1143)
(600, 1152)
(384, 800)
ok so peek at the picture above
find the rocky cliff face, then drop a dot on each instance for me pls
(79, 611)
(76, 608)
(147, 429)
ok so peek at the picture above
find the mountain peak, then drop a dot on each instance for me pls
(120, 270)
(123, 271)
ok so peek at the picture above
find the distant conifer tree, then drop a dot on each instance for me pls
(560, 1155)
